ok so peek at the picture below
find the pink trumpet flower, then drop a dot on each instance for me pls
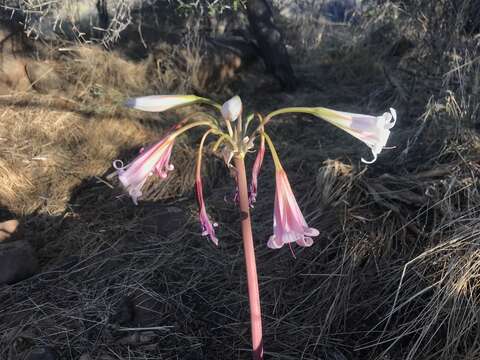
(255, 171)
(372, 130)
(207, 227)
(289, 224)
(155, 159)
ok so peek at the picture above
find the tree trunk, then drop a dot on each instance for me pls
(271, 43)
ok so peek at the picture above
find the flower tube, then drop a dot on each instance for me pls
(160, 103)
(289, 225)
(208, 228)
(156, 159)
(372, 130)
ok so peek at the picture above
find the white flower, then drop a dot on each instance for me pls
(372, 130)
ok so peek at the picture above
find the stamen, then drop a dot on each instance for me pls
(291, 250)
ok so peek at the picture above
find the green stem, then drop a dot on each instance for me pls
(209, 102)
(192, 125)
(276, 159)
(305, 110)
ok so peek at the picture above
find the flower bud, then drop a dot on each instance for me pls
(232, 109)
(159, 103)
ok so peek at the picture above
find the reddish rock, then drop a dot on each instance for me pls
(8, 229)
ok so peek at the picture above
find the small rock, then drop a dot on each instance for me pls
(85, 357)
(18, 261)
(42, 353)
(8, 229)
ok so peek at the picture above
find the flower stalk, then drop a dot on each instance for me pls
(250, 263)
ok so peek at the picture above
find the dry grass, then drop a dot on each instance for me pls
(393, 275)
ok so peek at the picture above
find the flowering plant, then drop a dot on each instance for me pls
(234, 140)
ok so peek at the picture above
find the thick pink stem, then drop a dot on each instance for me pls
(252, 279)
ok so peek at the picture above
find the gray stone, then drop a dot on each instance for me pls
(18, 261)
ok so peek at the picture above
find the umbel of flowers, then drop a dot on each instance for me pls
(235, 137)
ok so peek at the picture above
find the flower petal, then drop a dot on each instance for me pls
(305, 241)
(273, 243)
(311, 232)
(208, 229)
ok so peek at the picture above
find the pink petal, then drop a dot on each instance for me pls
(207, 227)
(273, 243)
(289, 225)
(305, 242)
